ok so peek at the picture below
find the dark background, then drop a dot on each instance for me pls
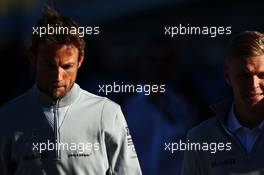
(133, 49)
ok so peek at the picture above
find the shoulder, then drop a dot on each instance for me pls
(107, 106)
(13, 112)
(16, 104)
(110, 113)
(215, 127)
(207, 130)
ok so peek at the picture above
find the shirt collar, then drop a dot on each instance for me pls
(261, 125)
(233, 124)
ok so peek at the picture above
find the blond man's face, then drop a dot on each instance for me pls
(246, 77)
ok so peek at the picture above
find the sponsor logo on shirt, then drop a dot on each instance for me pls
(225, 162)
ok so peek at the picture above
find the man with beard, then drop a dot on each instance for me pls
(57, 127)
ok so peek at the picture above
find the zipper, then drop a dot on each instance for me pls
(56, 130)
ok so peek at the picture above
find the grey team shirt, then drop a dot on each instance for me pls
(236, 161)
(93, 138)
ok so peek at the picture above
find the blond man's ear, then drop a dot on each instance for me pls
(80, 59)
(32, 58)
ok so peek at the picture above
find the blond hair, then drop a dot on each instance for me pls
(246, 44)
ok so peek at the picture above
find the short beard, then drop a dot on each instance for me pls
(56, 96)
